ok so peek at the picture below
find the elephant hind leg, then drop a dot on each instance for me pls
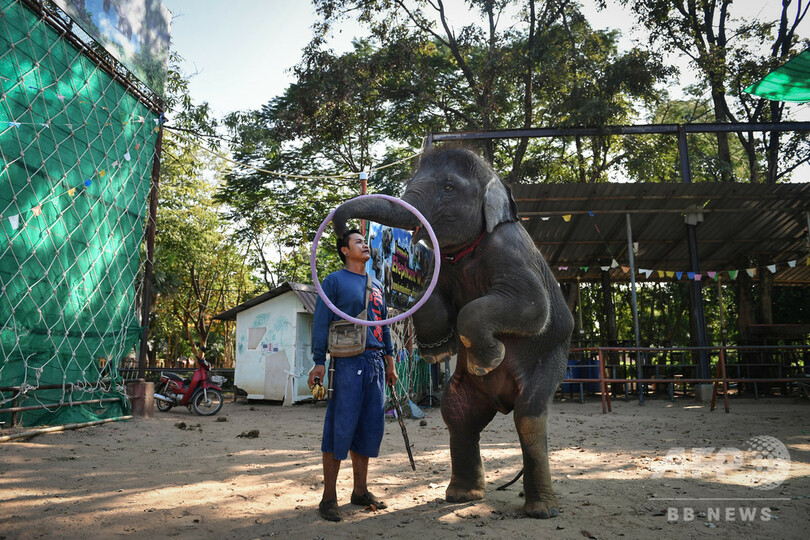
(466, 411)
(541, 502)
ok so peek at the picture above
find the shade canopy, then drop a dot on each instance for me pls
(580, 228)
(791, 82)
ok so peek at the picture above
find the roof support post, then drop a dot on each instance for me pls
(428, 144)
(695, 288)
(634, 302)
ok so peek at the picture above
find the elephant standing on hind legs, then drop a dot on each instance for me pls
(496, 304)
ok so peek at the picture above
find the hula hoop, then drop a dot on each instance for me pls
(437, 265)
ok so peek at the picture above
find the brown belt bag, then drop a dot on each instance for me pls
(348, 338)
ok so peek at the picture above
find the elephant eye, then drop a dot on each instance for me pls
(448, 187)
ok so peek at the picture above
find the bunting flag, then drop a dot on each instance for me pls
(101, 174)
(127, 156)
(88, 182)
(562, 268)
(662, 273)
(14, 221)
(37, 210)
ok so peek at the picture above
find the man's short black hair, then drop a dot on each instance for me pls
(343, 241)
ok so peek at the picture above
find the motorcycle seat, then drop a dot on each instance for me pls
(176, 377)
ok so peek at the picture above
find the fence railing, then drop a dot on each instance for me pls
(787, 364)
(129, 374)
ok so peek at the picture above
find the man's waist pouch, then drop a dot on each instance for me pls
(347, 338)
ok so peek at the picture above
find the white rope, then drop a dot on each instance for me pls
(287, 175)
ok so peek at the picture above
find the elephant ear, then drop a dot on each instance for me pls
(499, 206)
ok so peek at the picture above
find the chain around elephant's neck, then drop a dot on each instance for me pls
(455, 257)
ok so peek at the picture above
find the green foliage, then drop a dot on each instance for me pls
(199, 269)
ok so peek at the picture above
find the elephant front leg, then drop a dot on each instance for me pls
(466, 412)
(540, 499)
(434, 330)
(482, 319)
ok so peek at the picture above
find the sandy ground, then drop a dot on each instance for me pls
(150, 478)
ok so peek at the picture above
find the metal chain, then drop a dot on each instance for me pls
(434, 345)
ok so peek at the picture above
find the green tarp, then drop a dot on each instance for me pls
(791, 82)
(76, 151)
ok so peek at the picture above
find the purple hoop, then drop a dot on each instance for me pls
(437, 264)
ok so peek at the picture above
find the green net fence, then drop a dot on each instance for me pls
(76, 151)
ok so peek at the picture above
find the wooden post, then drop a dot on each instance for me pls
(146, 300)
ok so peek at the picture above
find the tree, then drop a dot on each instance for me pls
(199, 269)
(723, 49)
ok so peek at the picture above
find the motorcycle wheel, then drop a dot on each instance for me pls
(164, 406)
(210, 407)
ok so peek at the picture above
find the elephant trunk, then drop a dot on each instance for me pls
(378, 210)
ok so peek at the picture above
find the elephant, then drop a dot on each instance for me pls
(496, 304)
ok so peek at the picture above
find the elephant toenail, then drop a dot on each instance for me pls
(481, 371)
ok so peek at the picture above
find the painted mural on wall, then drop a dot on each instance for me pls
(266, 334)
(399, 264)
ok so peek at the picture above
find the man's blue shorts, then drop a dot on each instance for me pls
(355, 416)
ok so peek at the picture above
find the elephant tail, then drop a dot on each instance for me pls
(512, 481)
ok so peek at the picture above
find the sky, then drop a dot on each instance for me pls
(241, 54)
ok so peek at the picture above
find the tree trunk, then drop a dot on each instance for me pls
(765, 295)
(723, 151)
(570, 293)
(745, 306)
(609, 331)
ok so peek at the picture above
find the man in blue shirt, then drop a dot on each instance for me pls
(355, 416)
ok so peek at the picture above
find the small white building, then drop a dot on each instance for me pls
(274, 343)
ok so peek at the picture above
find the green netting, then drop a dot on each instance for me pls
(791, 82)
(76, 152)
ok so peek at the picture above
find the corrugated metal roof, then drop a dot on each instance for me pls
(741, 223)
(307, 294)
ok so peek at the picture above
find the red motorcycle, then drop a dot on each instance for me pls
(202, 392)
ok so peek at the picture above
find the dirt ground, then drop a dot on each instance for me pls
(150, 478)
